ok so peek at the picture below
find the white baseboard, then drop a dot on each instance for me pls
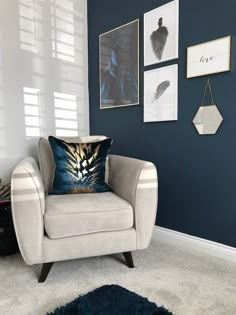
(196, 243)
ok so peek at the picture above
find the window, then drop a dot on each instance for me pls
(65, 114)
(62, 20)
(30, 21)
(32, 112)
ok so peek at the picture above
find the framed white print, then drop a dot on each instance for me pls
(161, 33)
(161, 94)
(208, 58)
(119, 66)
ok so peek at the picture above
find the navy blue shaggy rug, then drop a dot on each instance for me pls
(111, 300)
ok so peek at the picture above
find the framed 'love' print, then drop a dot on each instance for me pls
(208, 58)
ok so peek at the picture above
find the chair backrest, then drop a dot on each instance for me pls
(46, 160)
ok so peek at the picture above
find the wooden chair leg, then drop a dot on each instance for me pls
(129, 259)
(45, 271)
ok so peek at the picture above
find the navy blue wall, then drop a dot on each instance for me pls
(197, 174)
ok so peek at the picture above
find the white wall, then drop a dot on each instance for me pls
(43, 75)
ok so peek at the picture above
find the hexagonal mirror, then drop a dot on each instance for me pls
(207, 120)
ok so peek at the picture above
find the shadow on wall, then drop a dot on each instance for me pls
(43, 75)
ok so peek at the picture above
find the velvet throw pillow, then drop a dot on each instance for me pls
(80, 167)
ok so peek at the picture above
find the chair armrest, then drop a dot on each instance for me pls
(136, 181)
(28, 204)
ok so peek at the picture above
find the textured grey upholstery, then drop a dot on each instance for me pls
(136, 181)
(70, 215)
(94, 224)
(28, 205)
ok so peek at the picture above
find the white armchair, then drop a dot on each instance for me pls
(61, 227)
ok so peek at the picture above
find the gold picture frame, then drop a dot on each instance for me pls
(102, 37)
(209, 58)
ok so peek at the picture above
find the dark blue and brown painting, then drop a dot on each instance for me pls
(119, 66)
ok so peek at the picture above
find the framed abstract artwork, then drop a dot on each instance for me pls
(161, 94)
(161, 33)
(208, 58)
(119, 66)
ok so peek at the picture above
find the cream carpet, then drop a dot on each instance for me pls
(187, 283)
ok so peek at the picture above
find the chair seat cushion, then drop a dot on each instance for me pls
(70, 215)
